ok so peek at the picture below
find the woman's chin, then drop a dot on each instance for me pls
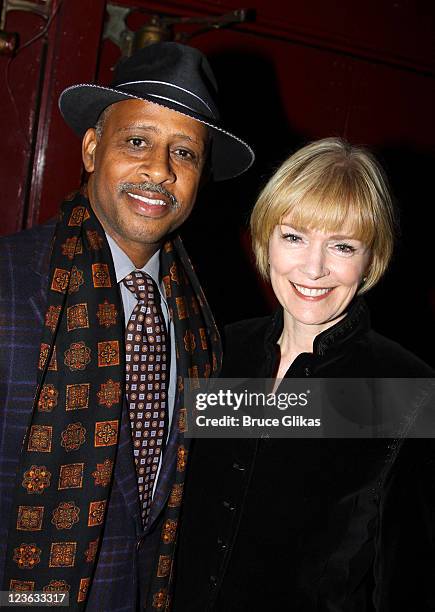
(308, 316)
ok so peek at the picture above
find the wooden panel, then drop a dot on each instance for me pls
(40, 156)
(73, 57)
(18, 103)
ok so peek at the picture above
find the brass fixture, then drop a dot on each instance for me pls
(160, 28)
(9, 40)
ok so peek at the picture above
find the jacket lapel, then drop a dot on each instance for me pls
(168, 467)
(40, 268)
(125, 469)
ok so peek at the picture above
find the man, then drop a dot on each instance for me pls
(93, 461)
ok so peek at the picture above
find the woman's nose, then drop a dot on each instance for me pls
(315, 265)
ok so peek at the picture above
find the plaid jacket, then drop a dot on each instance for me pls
(127, 554)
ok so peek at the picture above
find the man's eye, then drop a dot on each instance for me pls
(185, 154)
(137, 142)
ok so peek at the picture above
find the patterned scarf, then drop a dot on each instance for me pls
(67, 458)
(199, 355)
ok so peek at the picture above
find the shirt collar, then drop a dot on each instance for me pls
(123, 264)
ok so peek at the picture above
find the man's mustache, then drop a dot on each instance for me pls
(154, 187)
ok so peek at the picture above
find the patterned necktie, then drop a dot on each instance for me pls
(147, 382)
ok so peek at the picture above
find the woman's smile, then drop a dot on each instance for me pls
(311, 293)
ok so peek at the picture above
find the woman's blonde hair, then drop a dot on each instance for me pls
(329, 185)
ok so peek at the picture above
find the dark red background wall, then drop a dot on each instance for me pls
(301, 71)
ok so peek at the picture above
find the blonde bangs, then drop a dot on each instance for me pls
(333, 211)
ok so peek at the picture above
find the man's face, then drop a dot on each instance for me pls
(144, 173)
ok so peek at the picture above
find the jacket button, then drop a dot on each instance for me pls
(307, 371)
(139, 543)
(213, 581)
(239, 467)
(222, 545)
(229, 506)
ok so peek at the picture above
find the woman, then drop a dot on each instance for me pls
(301, 524)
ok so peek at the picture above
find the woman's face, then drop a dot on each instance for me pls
(315, 274)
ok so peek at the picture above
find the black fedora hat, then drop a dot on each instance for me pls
(176, 76)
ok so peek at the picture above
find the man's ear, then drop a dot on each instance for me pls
(89, 145)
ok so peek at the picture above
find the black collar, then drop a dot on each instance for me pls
(356, 322)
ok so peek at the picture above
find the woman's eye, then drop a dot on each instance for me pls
(347, 249)
(291, 238)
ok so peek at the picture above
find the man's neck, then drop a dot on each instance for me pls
(138, 253)
(124, 265)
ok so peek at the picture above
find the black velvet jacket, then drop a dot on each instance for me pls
(310, 525)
